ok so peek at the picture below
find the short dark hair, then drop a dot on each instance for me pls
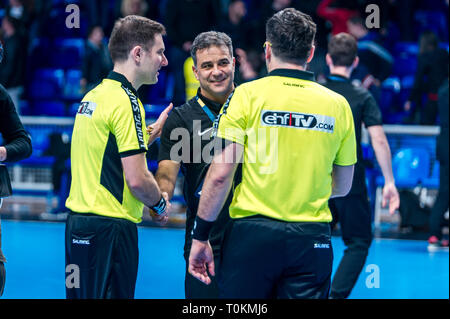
(206, 39)
(291, 34)
(343, 49)
(131, 31)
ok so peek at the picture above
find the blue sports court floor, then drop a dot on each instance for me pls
(35, 267)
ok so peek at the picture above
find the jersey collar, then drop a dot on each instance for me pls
(337, 78)
(211, 104)
(122, 79)
(299, 74)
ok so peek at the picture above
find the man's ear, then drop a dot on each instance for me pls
(311, 54)
(268, 53)
(355, 62)
(136, 53)
(194, 69)
(329, 60)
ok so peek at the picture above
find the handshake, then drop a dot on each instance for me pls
(160, 211)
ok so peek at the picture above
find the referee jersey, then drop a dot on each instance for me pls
(293, 130)
(109, 125)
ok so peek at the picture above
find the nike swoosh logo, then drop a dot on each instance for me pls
(204, 132)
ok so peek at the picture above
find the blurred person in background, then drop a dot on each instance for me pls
(184, 20)
(353, 211)
(250, 62)
(432, 70)
(17, 146)
(375, 62)
(338, 16)
(99, 13)
(436, 240)
(12, 72)
(96, 60)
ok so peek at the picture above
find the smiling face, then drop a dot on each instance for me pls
(153, 60)
(215, 72)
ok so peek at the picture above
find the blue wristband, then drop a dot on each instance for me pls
(160, 207)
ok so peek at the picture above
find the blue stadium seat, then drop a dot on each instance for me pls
(67, 53)
(389, 98)
(410, 166)
(46, 84)
(40, 53)
(72, 88)
(433, 180)
(51, 108)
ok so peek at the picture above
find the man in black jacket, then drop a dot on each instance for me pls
(353, 211)
(17, 146)
(436, 242)
(432, 70)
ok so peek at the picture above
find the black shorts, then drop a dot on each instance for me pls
(266, 258)
(105, 250)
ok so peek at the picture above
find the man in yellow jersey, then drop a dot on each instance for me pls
(296, 140)
(111, 184)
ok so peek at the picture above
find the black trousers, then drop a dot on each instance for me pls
(355, 218)
(441, 204)
(105, 250)
(2, 277)
(195, 289)
(265, 258)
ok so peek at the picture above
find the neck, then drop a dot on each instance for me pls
(341, 70)
(277, 64)
(221, 99)
(126, 70)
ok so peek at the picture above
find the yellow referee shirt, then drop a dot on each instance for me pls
(293, 130)
(109, 125)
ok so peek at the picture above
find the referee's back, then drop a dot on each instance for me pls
(293, 131)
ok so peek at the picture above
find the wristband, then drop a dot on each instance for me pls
(201, 229)
(160, 207)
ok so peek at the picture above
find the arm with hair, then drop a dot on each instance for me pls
(383, 154)
(216, 187)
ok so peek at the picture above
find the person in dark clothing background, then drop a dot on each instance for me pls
(432, 70)
(436, 241)
(184, 19)
(12, 72)
(375, 62)
(96, 61)
(17, 146)
(353, 211)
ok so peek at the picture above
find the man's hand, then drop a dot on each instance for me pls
(2, 153)
(407, 106)
(155, 129)
(201, 257)
(164, 217)
(390, 194)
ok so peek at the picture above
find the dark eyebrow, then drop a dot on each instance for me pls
(205, 63)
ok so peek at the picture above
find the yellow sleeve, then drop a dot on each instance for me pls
(127, 124)
(232, 121)
(346, 154)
